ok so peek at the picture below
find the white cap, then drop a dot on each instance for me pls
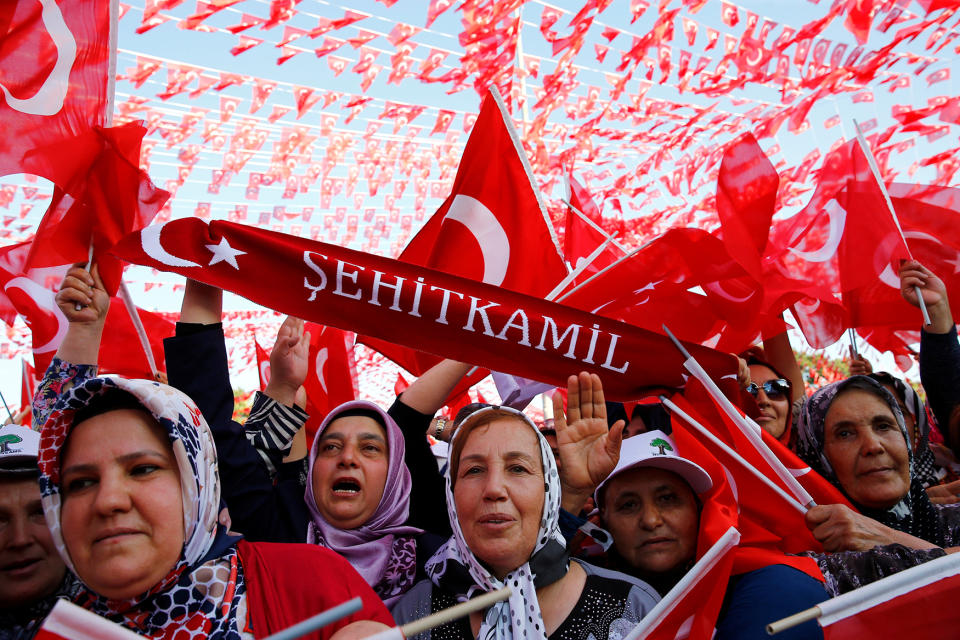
(19, 447)
(657, 449)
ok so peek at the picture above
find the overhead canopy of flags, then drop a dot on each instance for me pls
(348, 125)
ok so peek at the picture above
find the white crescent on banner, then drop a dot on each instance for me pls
(718, 289)
(891, 278)
(265, 371)
(489, 233)
(838, 220)
(318, 367)
(150, 239)
(44, 298)
(49, 99)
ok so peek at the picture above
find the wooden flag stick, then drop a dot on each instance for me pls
(792, 621)
(7, 407)
(444, 616)
(875, 170)
(318, 621)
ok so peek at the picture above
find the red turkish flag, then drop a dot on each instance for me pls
(120, 349)
(106, 196)
(929, 218)
(492, 227)
(54, 62)
(263, 364)
(888, 608)
(583, 238)
(332, 374)
(746, 198)
(67, 621)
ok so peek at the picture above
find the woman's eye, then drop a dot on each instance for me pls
(668, 498)
(372, 448)
(329, 447)
(518, 468)
(78, 484)
(472, 471)
(628, 506)
(143, 469)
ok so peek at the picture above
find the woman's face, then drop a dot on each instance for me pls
(350, 471)
(866, 449)
(653, 517)
(774, 408)
(499, 493)
(122, 512)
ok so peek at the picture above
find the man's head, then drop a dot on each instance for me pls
(30, 567)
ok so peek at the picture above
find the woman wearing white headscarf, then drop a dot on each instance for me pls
(503, 498)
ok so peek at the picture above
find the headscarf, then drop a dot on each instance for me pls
(456, 570)
(383, 549)
(203, 595)
(914, 514)
(924, 464)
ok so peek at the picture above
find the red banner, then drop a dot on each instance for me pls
(417, 307)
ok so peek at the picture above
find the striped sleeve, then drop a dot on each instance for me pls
(271, 426)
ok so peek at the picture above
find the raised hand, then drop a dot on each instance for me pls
(288, 361)
(589, 451)
(82, 297)
(934, 292)
(859, 366)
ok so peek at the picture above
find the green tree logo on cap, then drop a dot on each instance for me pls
(661, 444)
(6, 441)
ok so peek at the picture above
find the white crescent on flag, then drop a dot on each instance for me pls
(48, 100)
(838, 220)
(265, 371)
(150, 240)
(45, 301)
(321, 361)
(490, 235)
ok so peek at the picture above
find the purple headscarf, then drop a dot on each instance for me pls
(382, 549)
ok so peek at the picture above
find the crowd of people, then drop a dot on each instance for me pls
(145, 503)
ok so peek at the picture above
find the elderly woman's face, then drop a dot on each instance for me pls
(122, 513)
(350, 471)
(499, 493)
(866, 449)
(653, 517)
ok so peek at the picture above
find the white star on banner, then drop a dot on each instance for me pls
(223, 252)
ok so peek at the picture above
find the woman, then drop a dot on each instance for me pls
(128, 475)
(853, 433)
(358, 496)
(653, 504)
(773, 393)
(503, 498)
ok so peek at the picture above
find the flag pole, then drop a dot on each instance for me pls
(853, 342)
(759, 475)
(138, 326)
(566, 200)
(443, 616)
(875, 170)
(7, 407)
(748, 427)
(728, 540)
(868, 596)
(579, 269)
(318, 621)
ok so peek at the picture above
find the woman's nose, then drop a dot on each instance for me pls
(113, 495)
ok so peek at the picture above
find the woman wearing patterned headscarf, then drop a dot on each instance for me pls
(853, 433)
(128, 477)
(503, 498)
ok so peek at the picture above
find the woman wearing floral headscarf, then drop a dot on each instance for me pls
(130, 490)
(131, 493)
(853, 433)
(503, 498)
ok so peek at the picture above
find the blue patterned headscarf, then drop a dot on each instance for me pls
(203, 594)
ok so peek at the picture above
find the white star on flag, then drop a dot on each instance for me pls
(223, 252)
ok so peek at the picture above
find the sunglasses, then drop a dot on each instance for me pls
(774, 389)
